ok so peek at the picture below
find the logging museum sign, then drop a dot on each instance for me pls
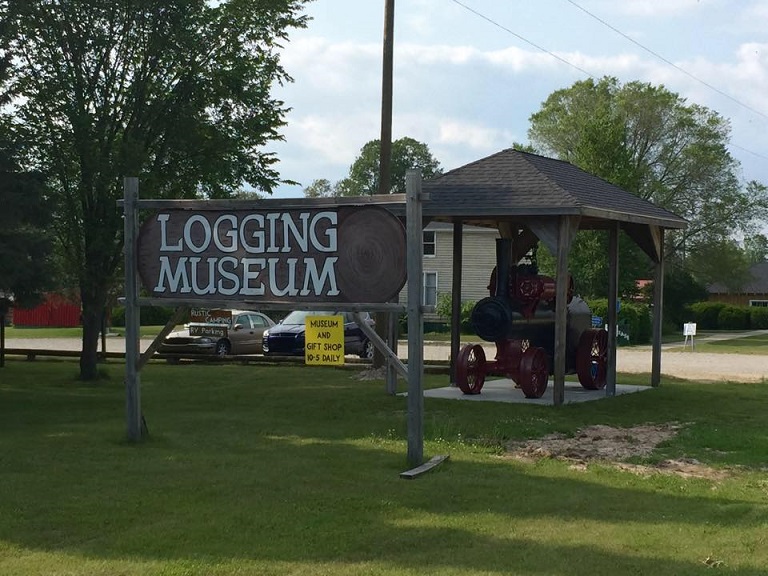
(340, 254)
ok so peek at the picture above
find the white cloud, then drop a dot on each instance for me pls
(757, 11)
(476, 136)
(332, 138)
(467, 89)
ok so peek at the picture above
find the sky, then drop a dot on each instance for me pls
(468, 74)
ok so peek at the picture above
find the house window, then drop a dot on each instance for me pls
(761, 303)
(430, 289)
(429, 243)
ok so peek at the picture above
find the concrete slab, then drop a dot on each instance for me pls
(503, 390)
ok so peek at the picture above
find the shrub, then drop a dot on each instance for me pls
(706, 314)
(149, 315)
(758, 318)
(733, 318)
(599, 307)
(444, 309)
(634, 318)
(638, 319)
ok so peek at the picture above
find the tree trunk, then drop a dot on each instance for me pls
(93, 311)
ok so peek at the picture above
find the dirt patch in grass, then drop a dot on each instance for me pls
(614, 446)
(371, 374)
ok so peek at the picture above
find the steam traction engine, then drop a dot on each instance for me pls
(519, 317)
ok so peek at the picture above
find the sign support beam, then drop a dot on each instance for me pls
(415, 250)
(132, 320)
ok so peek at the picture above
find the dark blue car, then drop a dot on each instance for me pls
(287, 337)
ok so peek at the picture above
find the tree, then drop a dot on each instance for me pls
(588, 265)
(25, 243)
(756, 248)
(407, 153)
(174, 91)
(322, 188)
(720, 261)
(681, 290)
(649, 141)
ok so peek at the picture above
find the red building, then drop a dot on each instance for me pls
(56, 312)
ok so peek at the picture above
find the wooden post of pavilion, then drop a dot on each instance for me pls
(613, 313)
(458, 243)
(658, 306)
(567, 228)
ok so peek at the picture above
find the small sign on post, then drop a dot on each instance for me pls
(213, 323)
(689, 331)
(324, 340)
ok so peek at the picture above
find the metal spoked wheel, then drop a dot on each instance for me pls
(470, 369)
(534, 372)
(592, 359)
(222, 348)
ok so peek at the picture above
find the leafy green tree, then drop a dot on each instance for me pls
(756, 248)
(649, 141)
(25, 241)
(721, 261)
(407, 153)
(322, 188)
(681, 290)
(176, 92)
(588, 264)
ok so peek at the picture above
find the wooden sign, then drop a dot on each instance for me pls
(208, 316)
(212, 330)
(324, 340)
(340, 254)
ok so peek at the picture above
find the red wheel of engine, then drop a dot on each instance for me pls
(470, 369)
(534, 372)
(592, 359)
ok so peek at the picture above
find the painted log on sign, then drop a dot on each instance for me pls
(341, 254)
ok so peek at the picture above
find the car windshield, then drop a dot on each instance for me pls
(299, 317)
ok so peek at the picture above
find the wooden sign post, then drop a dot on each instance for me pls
(689, 331)
(349, 252)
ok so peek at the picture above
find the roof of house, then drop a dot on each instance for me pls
(758, 284)
(514, 185)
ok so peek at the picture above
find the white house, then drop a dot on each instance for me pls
(478, 260)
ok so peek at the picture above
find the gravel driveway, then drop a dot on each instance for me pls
(688, 364)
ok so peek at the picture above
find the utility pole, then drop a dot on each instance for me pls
(385, 151)
(385, 156)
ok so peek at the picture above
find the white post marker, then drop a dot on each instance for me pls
(689, 331)
(324, 340)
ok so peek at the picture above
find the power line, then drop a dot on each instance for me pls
(675, 66)
(748, 150)
(516, 35)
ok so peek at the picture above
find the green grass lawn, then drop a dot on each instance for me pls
(13, 332)
(757, 344)
(295, 471)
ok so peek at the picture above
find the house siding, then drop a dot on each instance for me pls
(478, 260)
(737, 299)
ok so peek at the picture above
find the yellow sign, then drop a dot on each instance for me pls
(324, 340)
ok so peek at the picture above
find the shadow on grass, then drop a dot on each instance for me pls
(301, 466)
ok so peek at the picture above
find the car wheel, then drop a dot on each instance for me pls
(222, 348)
(367, 351)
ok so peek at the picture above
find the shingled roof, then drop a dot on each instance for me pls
(757, 285)
(512, 184)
